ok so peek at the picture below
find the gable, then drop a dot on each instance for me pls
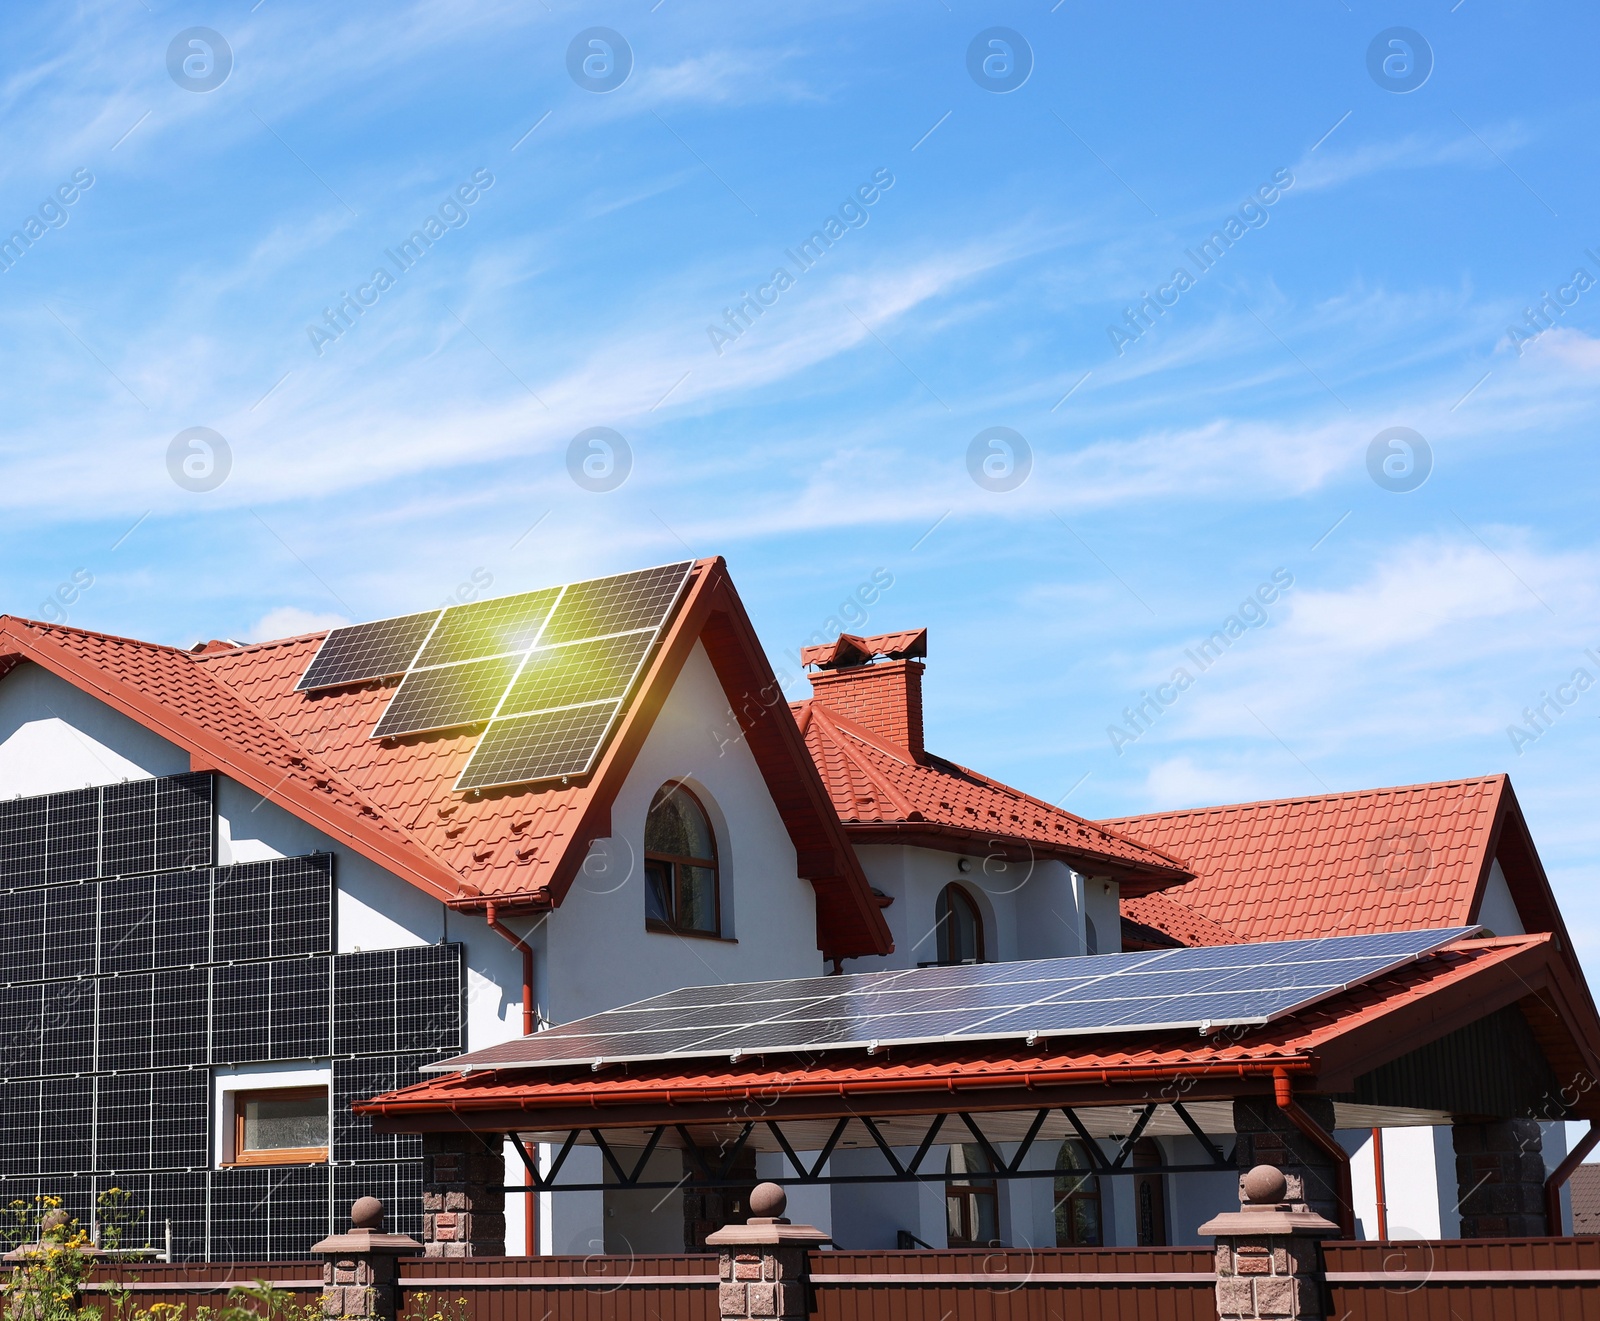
(54, 737)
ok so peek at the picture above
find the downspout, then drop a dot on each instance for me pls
(1559, 1176)
(1283, 1093)
(527, 966)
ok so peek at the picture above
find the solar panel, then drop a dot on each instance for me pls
(499, 627)
(577, 672)
(523, 749)
(361, 652)
(1224, 985)
(447, 696)
(618, 604)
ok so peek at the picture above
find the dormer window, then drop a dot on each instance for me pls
(680, 865)
(959, 925)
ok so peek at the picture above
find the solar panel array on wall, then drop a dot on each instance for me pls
(131, 965)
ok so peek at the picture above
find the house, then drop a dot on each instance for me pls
(248, 887)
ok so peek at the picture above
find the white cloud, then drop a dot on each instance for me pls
(288, 621)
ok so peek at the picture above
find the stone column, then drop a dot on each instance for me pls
(362, 1267)
(1500, 1178)
(1268, 1261)
(463, 1197)
(1267, 1137)
(762, 1263)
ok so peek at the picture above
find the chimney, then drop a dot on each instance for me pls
(885, 695)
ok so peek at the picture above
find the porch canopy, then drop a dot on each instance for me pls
(1442, 1028)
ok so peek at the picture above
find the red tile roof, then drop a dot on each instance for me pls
(1335, 864)
(1585, 1185)
(886, 794)
(848, 648)
(1177, 920)
(235, 710)
(1328, 1044)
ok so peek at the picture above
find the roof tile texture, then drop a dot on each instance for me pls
(873, 782)
(1340, 864)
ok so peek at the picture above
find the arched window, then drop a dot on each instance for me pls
(680, 865)
(1149, 1196)
(971, 1201)
(960, 927)
(1077, 1199)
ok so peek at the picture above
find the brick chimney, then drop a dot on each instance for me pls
(884, 696)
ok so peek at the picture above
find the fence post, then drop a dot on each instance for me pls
(762, 1263)
(463, 1196)
(1268, 1260)
(362, 1266)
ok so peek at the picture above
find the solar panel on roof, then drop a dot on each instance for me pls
(1215, 986)
(361, 652)
(577, 672)
(498, 627)
(523, 749)
(447, 696)
(547, 670)
(617, 604)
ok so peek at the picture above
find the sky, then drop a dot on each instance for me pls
(1198, 264)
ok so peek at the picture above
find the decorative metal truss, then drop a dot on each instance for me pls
(711, 1167)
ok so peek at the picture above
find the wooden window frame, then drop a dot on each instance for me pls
(942, 932)
(1085, 1188)
(274, 1155)
(677, 861)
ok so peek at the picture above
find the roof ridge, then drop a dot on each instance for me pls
(1498, 776)
(44, 626)
(241, 647)
(823, 718)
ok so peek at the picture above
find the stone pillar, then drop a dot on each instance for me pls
(1500, 1178)
(1267, 1137)
(361, 1268)
(762, 1263)
(463, 1197)
(1268, 1261)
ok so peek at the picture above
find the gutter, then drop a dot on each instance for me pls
(492, 917)
(667, 1095)
(1559, 1176)
(1283, 1093)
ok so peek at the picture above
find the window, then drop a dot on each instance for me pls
(972, 1205)
(680, 865)
(1077, 1199)
(280, 1126)
(960, 927)
(1149, 1199)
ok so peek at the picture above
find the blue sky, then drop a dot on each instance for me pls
(375, 472)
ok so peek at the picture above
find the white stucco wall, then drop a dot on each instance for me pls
(1030, 911)
(597, 953)
(55, 737)
(1497, 910)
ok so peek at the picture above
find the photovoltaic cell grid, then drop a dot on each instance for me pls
(547, 670)
(377, 650)
(258, 910)
(1141, 991)
(137, 826)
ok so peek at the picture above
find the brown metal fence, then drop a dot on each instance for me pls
(1519, 1279)
(1016, 1284)
(193, 1285)
(681, 1287)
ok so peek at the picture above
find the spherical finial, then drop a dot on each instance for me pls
(1264, 1186)
(367, 1213)
(767, 1201)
